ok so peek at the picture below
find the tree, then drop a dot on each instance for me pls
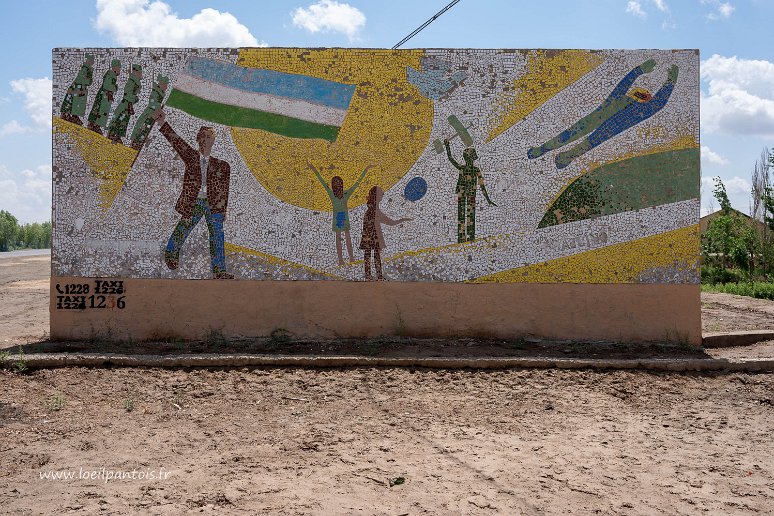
(9, 228)
(33, 237)
(761, 205)
(768, 199)
(730, 239)
(720, 194)
(46, 242)
(13, 236)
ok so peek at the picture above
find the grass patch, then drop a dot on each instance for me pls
(19, 365)
(279, 336)
(756, 289)
(54, 403)
(215, 339)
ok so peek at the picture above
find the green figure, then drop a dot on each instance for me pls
(125, 109)
(469, 179)
(145, 122)
(74, 103)
(98, 117)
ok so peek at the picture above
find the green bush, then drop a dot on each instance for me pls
(757, 289)
(712, 275)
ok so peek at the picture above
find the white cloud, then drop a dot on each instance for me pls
(707, 183)
(636, 9)
(27, 194)
(734, 186)
(737, 185)
(740, 96)
(723, 10)
(709, 156)
(37, 103)
(142, 23)
(329, 15)
(13, 127)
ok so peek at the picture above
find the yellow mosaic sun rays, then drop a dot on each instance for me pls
(388, 124)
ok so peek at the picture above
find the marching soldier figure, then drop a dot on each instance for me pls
(145, 122)
(74, 104)
(100, 110)
(125, 109)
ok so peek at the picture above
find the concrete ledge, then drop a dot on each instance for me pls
(47, 361)
(735, 338)
(179, 309)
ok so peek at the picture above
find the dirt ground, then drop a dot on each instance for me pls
(24, 281)
(725, 312)
(381, 441)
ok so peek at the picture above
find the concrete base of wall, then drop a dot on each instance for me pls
(191, 309)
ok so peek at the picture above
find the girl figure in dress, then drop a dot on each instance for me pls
(339, 198)
(372, 238)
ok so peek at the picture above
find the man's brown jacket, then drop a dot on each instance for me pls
(218, 175)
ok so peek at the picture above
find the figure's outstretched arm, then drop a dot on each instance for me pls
(320, 178)
(181, 147)
(661, 97)
(644, 110)
(384, 219)
(449, 154)
(352, 188)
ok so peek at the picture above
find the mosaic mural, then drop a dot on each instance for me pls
(351, 164)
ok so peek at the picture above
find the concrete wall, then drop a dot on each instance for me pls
(162, 309)
(575, 216)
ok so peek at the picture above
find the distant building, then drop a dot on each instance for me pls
(705, 220)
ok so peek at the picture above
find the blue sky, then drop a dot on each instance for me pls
(733, 36)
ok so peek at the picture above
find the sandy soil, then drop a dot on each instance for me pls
(726, 312)
(24, 283)
(329, 441)
(304, 441)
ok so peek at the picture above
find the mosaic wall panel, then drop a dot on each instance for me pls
(352, 164)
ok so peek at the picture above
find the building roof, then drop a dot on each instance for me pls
(705, 220)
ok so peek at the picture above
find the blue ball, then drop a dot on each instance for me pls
(415, 189)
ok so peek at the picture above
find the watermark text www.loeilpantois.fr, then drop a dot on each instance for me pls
(106, 475)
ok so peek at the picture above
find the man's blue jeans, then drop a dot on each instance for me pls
(215, 228)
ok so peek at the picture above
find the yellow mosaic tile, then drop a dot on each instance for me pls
(108, 161)
(388, 125)
(548, 73)
(619, 263)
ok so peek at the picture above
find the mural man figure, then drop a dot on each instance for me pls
(204, 194)
(625, 107)
(100, 110)
(145, 122)
(125, 109)
(469, 180)
(74, 103)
